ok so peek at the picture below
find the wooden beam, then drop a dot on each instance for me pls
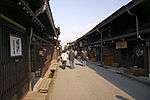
(12, 22)
(25, 6)
(145, 31)
(38, 37)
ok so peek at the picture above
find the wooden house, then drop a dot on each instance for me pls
(26, 30)
(122, 39)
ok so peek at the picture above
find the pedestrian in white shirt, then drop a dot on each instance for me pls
(64, 57)
(75, 53)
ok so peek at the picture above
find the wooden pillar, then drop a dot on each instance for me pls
(149, 62)
(146, 65)
(29, 59)
(147, 56)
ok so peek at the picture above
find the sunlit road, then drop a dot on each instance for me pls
(95, 83)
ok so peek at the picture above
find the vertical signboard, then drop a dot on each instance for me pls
(15, 46)
(81, 44)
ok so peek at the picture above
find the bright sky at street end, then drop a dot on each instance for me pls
(76, 17)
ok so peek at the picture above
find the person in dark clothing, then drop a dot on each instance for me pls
(84, 57)
(71, 58)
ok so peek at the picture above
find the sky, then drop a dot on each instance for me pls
(76, 17)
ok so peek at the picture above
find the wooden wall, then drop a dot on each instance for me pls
(13, 70)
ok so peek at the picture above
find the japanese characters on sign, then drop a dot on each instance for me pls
(15, 46)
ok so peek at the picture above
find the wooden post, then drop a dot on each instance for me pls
(29, 54)
(149, 61)
(101, 48)
(101, 38)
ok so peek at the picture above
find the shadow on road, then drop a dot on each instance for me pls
(133, 88)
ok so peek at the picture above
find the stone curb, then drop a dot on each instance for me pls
(144, 81)
(51, 85)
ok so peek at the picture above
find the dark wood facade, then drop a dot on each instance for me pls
(122, 36)
(14, 70)
(24, 32)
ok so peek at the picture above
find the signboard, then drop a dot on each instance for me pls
(81, 44)
(15, 46)
(121, 44)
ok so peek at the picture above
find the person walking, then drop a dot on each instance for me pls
(71, 58)
(75, 53)
(84, 57)
(64, 57)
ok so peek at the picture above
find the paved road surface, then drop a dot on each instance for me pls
(95, 83)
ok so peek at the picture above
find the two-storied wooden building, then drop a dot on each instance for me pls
(27, 42)
(122, 39)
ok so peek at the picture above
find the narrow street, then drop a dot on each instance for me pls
(96, 83)
(38, 38)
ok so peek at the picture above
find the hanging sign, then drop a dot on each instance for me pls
(81, 44)
(15, 46)
(121, 44)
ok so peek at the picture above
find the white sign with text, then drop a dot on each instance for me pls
(15, 46)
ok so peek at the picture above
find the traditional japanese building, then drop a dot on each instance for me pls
(27, 43)
(122, 39)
